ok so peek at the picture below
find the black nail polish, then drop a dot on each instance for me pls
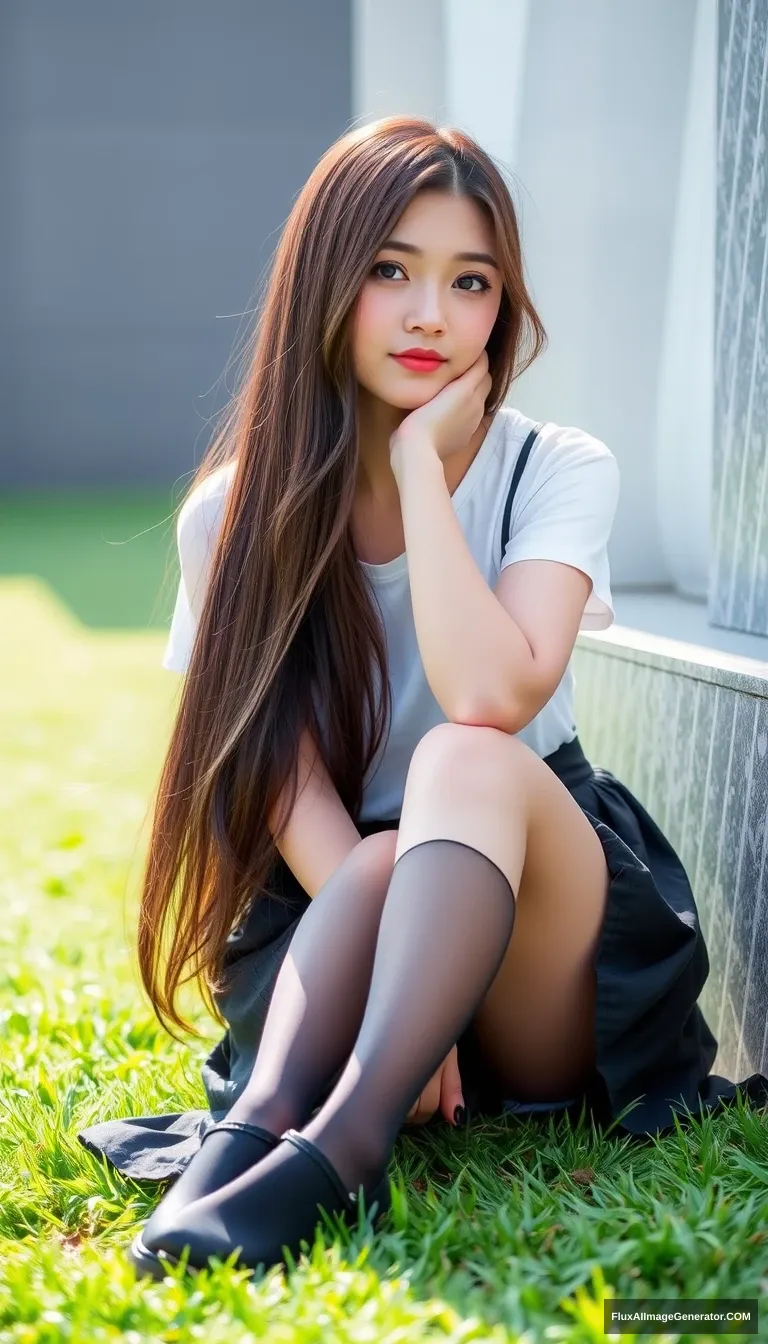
(459, 1115)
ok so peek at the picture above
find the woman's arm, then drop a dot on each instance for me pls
(475, 656)
(320, 832)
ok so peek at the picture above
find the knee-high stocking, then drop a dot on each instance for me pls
(444, 930)
(319, 996)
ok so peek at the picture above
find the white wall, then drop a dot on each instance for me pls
(585, 105)
(398, 59)
(685, 409)
(600, 146)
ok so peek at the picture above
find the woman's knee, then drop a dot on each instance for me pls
(475, 757)
(378, 853)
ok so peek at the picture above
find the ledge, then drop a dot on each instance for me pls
(697, 662)
(662, 611)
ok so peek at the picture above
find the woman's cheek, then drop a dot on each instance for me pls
(372, 334)
(372, 319)
(479, 328)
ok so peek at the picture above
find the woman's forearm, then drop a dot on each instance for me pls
(474, 655)
(320, 832)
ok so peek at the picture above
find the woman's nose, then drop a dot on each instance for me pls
(428, 305)
(428, 313)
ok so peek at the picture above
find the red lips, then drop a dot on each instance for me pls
(418, 353)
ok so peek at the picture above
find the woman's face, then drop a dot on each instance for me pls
(428, 298)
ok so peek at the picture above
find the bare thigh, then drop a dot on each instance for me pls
(535, 1026)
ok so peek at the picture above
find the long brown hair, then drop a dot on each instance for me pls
(287, 602)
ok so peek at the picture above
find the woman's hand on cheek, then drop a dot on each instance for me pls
(449, 419)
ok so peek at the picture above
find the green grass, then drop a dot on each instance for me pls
(513, 1227)
(104, 555)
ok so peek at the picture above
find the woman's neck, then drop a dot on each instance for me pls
(377, 422)
(376, 486)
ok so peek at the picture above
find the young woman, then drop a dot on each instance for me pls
(377, 842)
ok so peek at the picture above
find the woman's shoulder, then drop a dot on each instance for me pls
(201, 512)
(555, 445)
(567, 469)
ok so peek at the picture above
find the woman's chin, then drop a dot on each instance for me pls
(403, 393)
(408, 398)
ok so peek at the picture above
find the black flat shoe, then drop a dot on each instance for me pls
(259, 1214)
(215, 1165)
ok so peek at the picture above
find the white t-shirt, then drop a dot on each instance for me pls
(563, 510)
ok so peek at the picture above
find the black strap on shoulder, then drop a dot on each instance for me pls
(525, 453)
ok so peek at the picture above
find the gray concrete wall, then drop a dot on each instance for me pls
(739, 577)
(149, 156)
(690, 740)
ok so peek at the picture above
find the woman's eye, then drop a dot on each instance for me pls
(392, 264)
(484, 284)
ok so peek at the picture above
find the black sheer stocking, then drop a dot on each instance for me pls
(314, 1016)
(444, 930)
(319, 997)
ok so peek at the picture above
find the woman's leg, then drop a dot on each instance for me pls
(314, 1016)
(488, 837)
(319, 996)
(486, 829)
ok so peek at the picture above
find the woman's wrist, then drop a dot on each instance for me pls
(412, 453)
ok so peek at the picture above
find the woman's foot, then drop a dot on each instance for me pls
(227, 1150)
(261, 1212)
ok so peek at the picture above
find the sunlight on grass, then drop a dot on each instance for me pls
(512, 1227)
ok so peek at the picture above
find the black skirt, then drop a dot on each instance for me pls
(653, 1048)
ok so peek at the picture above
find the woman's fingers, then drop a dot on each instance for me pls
(451, 1094)
(427, 1104)
(410, 1118)
(443, 1092)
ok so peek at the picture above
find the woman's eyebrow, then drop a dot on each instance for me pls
(460, 256)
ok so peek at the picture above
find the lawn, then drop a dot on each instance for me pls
(512, 1227)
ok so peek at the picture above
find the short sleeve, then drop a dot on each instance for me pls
(564, 510)
(196, 532)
